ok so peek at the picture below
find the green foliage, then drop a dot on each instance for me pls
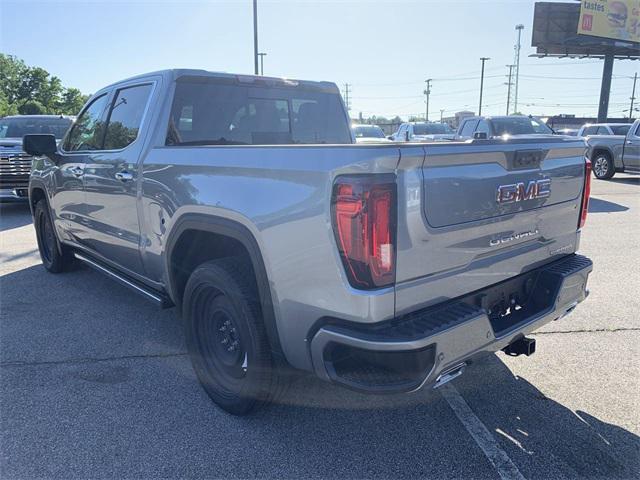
(32, 90)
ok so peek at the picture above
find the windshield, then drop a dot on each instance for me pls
(18, 127)
(518, 126)
(211, 113)
(620, 129)
(368, 131)
(431, 129)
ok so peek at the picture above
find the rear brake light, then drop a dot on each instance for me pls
(364, 223)
(586, 192)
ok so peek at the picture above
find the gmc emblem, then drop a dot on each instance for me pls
(518, 192)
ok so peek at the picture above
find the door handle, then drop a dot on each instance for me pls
(124, 176)
(77, 171)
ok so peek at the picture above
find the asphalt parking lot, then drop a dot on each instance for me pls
(95, 383)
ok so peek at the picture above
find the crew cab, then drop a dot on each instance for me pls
(15, 164)
(615, 153)
(244, 202)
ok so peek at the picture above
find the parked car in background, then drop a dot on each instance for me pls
(498, 126)
(615, 153)
(369, 134)
(604, 129)
(423, 132)
(14, 163)
(244, 201)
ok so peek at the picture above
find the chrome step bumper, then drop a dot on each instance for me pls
(406, 353)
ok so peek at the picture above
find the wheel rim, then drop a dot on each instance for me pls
(47, 238)
(601, 166)
(220, 342)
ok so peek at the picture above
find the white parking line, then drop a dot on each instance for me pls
(483, 437)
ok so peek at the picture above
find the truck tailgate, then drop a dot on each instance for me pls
(474, 214)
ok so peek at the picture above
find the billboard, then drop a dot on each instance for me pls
(613, 19)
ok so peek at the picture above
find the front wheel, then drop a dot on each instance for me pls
(603, 167)
(226, 337)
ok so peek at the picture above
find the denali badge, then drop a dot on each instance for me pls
(517, 192)
(516, 236)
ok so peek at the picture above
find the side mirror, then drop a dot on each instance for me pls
(480, 136)
(390, 137)
(38, 144)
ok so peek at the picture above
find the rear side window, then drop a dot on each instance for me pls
(211, 113)
(620, 129)
(87, 132)
(125, 116)
(468, 128)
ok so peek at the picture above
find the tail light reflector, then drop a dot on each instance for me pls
(364, 224)
(586, 192)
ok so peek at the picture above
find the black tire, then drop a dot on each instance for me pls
(55, 257)
(226, 337)
(602, 166)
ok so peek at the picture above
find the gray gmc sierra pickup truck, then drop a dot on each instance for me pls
(245, 202)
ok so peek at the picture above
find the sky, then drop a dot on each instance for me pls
(384, 50)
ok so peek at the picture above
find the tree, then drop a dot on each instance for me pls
(32, 90)
(72, 101)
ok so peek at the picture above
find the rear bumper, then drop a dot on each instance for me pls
(19, 194)
(407, 353)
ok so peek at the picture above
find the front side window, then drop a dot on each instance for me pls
(125, 116)
(368, 131)
(468, 128)
(431, 129)
(591, 130)
(87, 132)
(483, 127)
(603, 131)
(215, 113)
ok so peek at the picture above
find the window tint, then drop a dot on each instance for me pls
(211, 113)
(18, 127)
(86, 133)
(591, 130)
(518, 126)
(468, 128)
(431, 129)
(368, 131)
(602, 131)
(125, 117)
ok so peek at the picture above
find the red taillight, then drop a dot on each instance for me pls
(364, 223)
(585, 193)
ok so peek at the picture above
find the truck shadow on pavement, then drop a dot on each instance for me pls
(14, 215)
(597, 205)
(90, 370)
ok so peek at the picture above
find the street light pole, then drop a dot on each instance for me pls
(255, 37)
(441, 113)
(262, 55)
(427, 92)
(518, 47)
(633, 96)
(483, 59)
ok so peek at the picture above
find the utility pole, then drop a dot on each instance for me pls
(262, 55)
(441, 113)
(633, 95)
(346, 96)
(255, 37)
(483, 59)
(427, 92)
(509, 83)
(519, 28)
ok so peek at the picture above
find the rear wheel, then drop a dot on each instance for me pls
(226, 338)
(603, 167)
(55, 257)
